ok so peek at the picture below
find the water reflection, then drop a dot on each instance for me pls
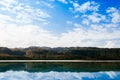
(59, 71)
(60, 67)
(23, 75)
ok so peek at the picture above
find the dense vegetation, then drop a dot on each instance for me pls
(71, 53)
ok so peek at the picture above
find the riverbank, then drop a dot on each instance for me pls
(59, 60)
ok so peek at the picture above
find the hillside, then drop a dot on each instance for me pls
(60, 53)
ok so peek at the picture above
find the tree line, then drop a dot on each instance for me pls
(60, 53)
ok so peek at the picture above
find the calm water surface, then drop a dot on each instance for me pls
(60, 71)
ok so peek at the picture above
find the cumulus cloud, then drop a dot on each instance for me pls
(101, 30)
(23, 36)
(22, 13)
(95, 17)
(87, 6)
(90, 37)
(18, 28)
(114, 14)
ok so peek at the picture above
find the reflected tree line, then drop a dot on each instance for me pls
(60, 67)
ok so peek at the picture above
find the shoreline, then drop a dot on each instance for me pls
(59, 61)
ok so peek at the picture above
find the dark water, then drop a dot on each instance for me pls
(60, 71)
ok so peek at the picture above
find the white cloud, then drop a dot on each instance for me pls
(17, 28)
(114, 14)
(112, 44)
(17, 25)
(92, 36)
(23, 36)
(109, 44)
(72, 38)
(102, 30)
(45, 3)
(23, 13)
(63, 1)
(13, 35)
(87, 6)
(111, 25)
(77, 25)
(98, 27)
(8, 3)
(96, 18)
(93, 18)
(85, 21)
(5, 18)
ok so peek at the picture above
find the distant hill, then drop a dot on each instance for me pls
(60, 53)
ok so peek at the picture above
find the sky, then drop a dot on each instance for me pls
(60, 23)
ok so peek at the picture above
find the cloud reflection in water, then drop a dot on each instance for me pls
(24, 75)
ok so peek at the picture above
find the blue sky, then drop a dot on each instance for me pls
(60, 23)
